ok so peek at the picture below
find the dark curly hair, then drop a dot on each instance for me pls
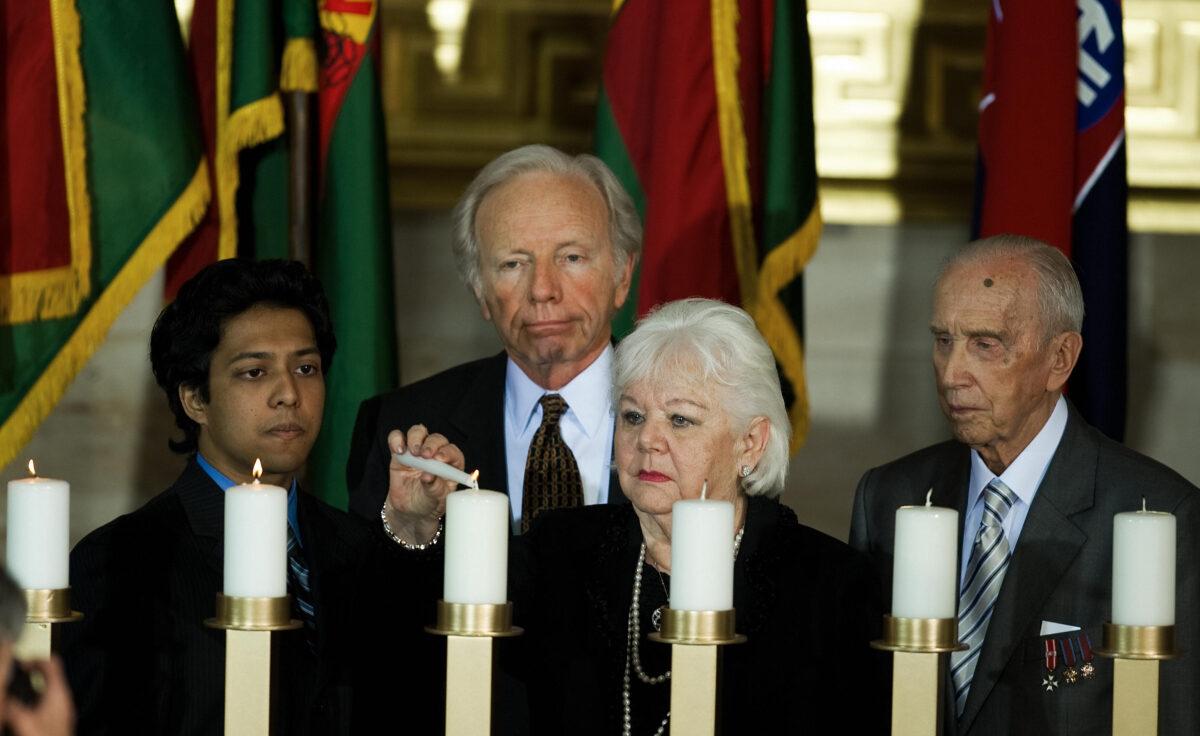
(188, 330)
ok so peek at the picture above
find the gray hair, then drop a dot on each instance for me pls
(12, 609)
(624, 224)
(731, 353)
(1060, 298)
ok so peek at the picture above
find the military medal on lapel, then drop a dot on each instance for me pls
(1070, 674)
(1050, 682)
(1088, 670)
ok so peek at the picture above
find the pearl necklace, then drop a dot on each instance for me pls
(632, 649)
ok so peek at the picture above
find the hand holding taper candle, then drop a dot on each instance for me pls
(416, 498)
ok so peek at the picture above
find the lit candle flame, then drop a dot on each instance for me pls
(704, 490)
(32, 470)
(475, 479)
(257, 472)
(929, 497)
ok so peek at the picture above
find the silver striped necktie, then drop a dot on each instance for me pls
(981, 587)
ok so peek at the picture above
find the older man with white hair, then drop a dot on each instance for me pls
(547, 244)
(1036, 488)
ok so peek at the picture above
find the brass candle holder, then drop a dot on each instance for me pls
(694, 637)
(46, 609)
(919, 646)
(248, 624)
(1137, 651)
(469, 629)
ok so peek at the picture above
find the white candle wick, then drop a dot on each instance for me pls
(475, 479)
(929, 497)
(704, 490)
(1143, 503)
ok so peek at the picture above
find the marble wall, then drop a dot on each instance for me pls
(868, 366)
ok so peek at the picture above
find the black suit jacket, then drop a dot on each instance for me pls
(1061, 571)
(464, 403)
(142, 661)
(807, 603)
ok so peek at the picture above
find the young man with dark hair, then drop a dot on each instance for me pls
(242, 355)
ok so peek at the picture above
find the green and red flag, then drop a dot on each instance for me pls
(102, 176)
(244, 54)
(705, 115)
(353, 251)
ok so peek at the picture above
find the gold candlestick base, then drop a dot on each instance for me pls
(474, 619)
(918, 668)
(717, 628)
(1137, 651)
(1138, 642)
(238, 613)
(469, 629)
(919, 635)
(248, 624)
(694, 637)
(45, 610)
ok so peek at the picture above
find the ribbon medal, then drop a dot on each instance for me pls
(1070, 674)
(1088, 670)
(1050, 682)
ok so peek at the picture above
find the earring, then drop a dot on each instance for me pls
(745, 471)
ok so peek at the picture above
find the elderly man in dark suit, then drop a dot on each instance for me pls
(1036, 488)
(547, 243)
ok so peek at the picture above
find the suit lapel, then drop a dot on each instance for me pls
(204, 505)
(1048, 544)
(479, 418)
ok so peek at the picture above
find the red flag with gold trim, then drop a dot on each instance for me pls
(102, 175)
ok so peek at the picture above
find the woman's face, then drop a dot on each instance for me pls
(671, 435)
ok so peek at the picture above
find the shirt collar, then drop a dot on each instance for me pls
(1025, 473)
(589, 396)
(223, 481)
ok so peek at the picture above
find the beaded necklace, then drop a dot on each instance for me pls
(632, 649)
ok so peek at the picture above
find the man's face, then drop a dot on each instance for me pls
(995, 380)
(548, 280)
(266, 393)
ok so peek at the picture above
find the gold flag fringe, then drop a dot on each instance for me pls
(149, 256)
(298, 71)
(251, 124)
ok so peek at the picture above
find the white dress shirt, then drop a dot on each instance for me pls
(587, 427)
(1023, 477)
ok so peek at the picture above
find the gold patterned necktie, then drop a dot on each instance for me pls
(551, 474)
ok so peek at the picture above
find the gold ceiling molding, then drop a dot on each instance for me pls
(896, 89)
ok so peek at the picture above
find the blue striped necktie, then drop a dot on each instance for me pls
(981, 586)
(301, 590)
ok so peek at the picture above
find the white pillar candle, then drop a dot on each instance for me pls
(925, 567)
(38, 544)
(476, 547)
(256, 540)
(1143, 582)
(702, 555)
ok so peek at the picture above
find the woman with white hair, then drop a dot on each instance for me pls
(698, 402)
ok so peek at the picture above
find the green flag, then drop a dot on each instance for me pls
(353, 252)
(104, 176)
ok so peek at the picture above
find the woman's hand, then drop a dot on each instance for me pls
(416, 500)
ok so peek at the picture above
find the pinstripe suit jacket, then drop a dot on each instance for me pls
(1061, 571)
(142, 661)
